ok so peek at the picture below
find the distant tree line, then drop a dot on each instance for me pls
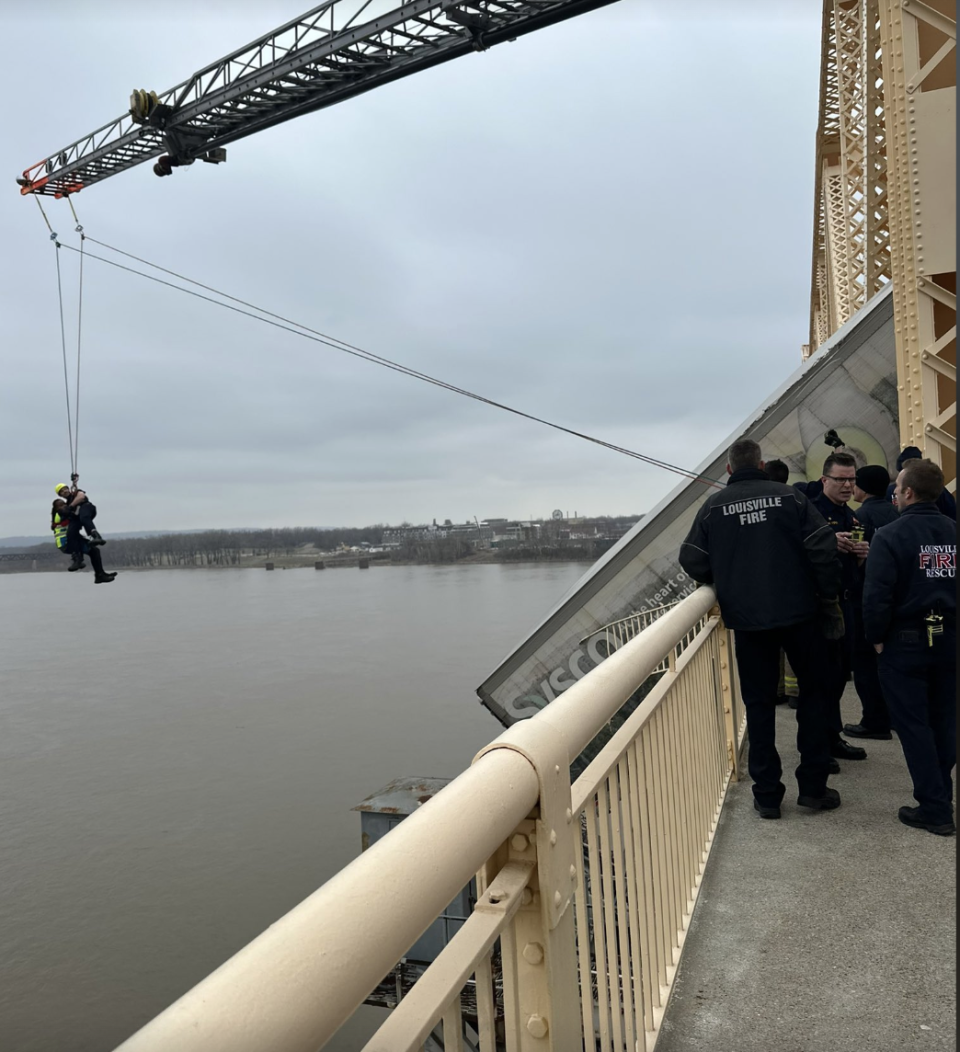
(229, 547)
(225, 547)
(434, 550)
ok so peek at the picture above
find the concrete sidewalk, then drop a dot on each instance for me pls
(821, 932)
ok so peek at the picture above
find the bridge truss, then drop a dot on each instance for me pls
(885, 202)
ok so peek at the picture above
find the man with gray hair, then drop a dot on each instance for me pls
(773, 561)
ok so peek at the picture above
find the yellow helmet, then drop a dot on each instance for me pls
(60, 487)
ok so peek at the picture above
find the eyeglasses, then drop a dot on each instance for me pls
(843, 480)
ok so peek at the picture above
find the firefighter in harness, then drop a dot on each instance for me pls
(72, 512)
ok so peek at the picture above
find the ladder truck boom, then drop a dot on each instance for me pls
(321, 58)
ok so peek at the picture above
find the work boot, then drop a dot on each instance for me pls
(912, 816)
(857, 730)
(828, 802)
(95, 537)
(76, 563)
(842, 750)
(104, 578)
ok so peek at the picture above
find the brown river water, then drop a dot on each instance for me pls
(180, 751)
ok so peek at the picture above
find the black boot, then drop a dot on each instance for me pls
(101, 574)
(95, 537)
(76, 562)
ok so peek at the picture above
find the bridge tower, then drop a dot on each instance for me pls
(885, 203)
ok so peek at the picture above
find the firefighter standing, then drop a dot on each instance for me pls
(874, 512)
(910, 611)
(838, 479)
(773, 561)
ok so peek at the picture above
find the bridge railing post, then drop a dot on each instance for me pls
(728, 688)
(541, 994)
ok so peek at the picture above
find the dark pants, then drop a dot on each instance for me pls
(837, 669)
(83, 517)
(758, 662)
(92, 551)
(919, 683)
(866, 679)
(853, 655)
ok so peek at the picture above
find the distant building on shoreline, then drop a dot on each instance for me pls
(511, 533)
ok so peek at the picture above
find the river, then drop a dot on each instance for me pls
(180, 752)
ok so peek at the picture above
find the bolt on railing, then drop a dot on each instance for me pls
(584, 891)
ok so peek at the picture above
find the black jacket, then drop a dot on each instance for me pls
(873, 513)
(911, 570)
(767, 550)
(841, 519)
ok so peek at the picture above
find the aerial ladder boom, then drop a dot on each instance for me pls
(321, 58)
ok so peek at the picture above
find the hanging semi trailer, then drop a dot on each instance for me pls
(849, 385)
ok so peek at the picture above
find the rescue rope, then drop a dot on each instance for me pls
(76, 415)
(298, 329)
(71, 431)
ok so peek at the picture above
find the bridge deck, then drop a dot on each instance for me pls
(822, 931)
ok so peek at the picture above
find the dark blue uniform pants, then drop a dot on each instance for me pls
(83, 516)
(758, 663)
(919, 683)
(854, 655)
(866, 678)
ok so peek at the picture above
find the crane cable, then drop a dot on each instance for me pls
(63, 343)
(76, 415)
(298, 329)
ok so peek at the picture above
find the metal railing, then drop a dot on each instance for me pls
(621, 631)
(584, 891)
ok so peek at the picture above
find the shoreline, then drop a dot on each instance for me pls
(45, 564)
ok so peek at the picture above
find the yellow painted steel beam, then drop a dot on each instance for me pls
(885, 197)
(851, 257)
(920, 83)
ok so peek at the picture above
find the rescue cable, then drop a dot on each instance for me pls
(71, 439)
(76, 415)
(298, 329)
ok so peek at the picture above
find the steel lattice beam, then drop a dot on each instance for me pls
(920, 79)
(885, 204)
(851, 250)
(321, 58)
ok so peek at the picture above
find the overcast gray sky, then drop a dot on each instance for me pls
(606, 223)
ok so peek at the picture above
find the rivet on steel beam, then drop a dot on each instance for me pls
(573, 872)
(556, 768)
(557, 898)
(533, 953)
(519, 842)
(553, 838)
(569, 815)
(537, 1026)
(526, 897)
(725, 687)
